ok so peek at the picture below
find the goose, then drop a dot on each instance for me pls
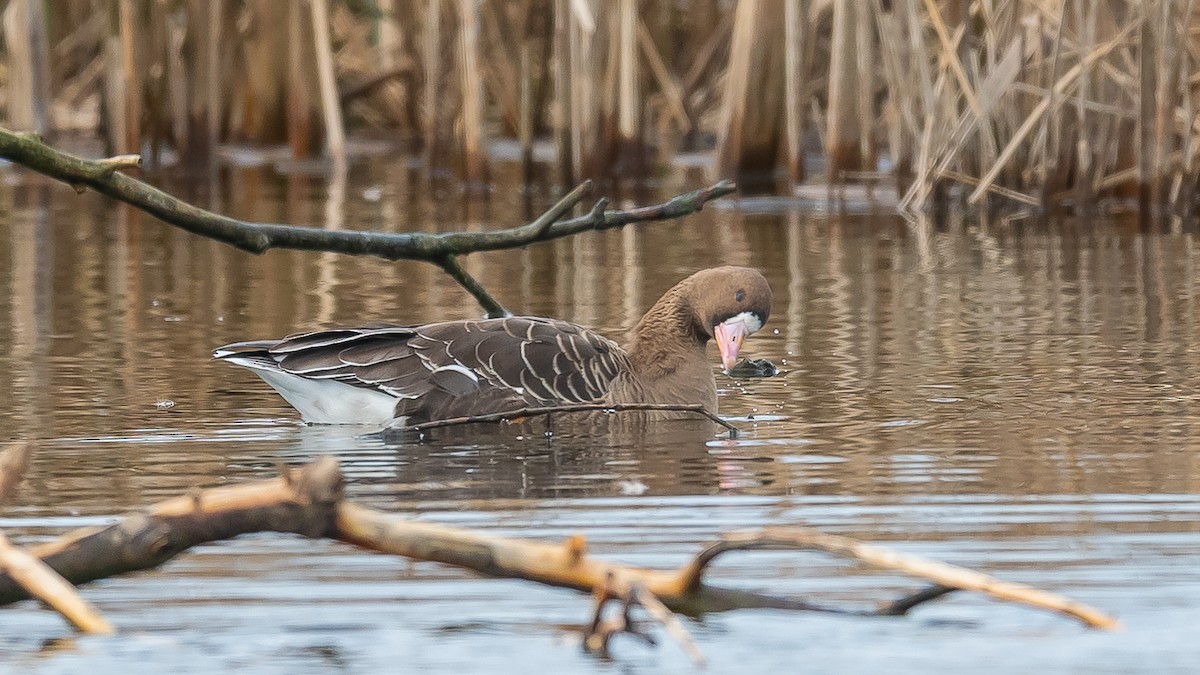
(387, 374)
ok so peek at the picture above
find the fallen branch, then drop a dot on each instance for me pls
(32, 574)
(519, 413)
(600, 631)
(299, 502)
(947, 577)
(44, 584)
(309, 502)
(663, 615)
(437, 248)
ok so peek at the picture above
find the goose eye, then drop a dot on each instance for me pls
(740, 295)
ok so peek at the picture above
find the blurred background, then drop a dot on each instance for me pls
(1023, 103)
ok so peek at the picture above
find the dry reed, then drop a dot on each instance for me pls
(1042, 103)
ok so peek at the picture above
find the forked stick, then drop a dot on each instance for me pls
(944, 575)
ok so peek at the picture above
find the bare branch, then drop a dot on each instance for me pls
(102, 177)
(489, 304)
(309, 501)
(949, 576)
(303, 504)
(121, 162)
(601, 630)
(660, 613)
(902, 606)
(441, 249)
(560, 208)
(46, 585)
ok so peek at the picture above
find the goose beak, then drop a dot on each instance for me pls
(730, 335)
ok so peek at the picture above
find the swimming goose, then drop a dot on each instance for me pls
(380, 374)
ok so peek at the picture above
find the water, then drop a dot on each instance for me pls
(1017, 398)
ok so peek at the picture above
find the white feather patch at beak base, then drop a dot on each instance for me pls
(731, 333)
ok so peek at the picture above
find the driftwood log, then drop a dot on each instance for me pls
(442, 249)
(309, 501)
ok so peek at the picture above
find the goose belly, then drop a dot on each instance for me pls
(330, 401)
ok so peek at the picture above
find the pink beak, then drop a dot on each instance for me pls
(729, 340)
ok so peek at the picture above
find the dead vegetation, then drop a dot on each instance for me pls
(1034, 103)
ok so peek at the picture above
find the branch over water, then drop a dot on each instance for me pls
(104, 177)
(310, 501)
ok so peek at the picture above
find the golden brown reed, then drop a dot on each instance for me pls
(1038, 103)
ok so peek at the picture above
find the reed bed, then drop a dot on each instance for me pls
(1037, 103)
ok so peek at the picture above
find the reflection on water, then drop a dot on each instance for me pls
(1014, 397)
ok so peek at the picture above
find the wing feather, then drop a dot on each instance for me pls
(457, 367)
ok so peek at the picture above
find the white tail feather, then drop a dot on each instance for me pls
(326, 401)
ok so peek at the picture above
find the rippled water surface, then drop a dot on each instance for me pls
(1016, 397)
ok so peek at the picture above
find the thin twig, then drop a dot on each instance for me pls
(574, 407)
(600, 630)
(490, 305)
(561, 208)
(901, 606)
(660, 613)
(121, 162)
(600, 596)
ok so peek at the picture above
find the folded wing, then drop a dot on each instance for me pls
(443, 370)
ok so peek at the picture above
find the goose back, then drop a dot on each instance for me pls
(452, 368)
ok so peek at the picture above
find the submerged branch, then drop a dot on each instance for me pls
(437, 248)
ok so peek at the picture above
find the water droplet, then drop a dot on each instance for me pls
(633, 487)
